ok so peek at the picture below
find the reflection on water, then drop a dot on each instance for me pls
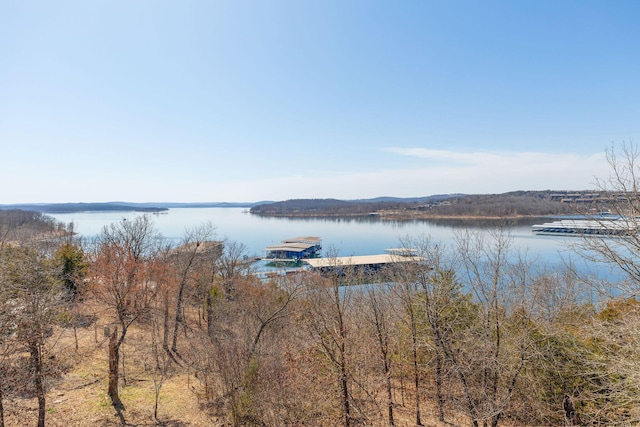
(443, 222)
(348, 236)
(486, 223)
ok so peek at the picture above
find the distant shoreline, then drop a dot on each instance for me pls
(405, 216)
(60, 208)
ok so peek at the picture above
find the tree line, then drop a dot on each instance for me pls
(512, 204)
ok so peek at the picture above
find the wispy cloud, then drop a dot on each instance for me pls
(511, 159)
(438, 155)
(448, 172)
(507, 160)
(443, 171)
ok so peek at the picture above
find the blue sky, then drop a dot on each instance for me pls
(217, 100)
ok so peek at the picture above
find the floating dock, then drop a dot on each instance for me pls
(295, 248)
(366, 263)
(588, 227)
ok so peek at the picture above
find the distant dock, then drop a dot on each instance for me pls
(588, 227)
(365, 263)
(295, 249)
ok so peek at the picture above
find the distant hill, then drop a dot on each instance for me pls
(512, 204)
(119, 206)
(335, 207)
(424, 199)
(75, 207)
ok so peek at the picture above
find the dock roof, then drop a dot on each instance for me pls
(291, 247)
(355, 261)
(303, 239)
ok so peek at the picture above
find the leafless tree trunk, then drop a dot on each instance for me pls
(114, 366)
(7, 331)
(195, 248)
(36, 368)
(1, 401)
(428, 292)
(342, 362)
(31, 280)
(165, 329)
(128, 269)
(416, 369)
(160, 359)
(379, 312)
(328, 326)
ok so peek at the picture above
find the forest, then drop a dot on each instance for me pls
(128, 329)
(506, 205)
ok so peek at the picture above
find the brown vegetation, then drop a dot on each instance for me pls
(134, 332)
(466, 336)
(507, 205)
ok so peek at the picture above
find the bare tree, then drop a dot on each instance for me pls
(8, 326)
(269, 303)
(233, 263)
(328, 303)
(612, 395)
(622, 189)
(617, 334)
(407, 291)
(490, 354)
(378, 313)
(265, 312)
(196, 251)
(31, 283)
(434, 299)
(127, 269)
(160, 363)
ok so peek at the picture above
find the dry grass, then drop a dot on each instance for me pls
(79, 398)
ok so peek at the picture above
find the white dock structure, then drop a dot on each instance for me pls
(588, 227)
(366, 263)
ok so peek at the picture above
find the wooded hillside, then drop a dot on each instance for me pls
(514, 204)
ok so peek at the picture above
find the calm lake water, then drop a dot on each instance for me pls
(362, 236)
(347, 236)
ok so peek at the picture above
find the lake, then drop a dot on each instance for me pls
(348, 236)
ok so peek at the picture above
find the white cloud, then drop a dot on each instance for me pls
(492, 159)
(438, 155)
(445, 172)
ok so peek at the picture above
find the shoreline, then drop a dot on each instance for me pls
(405, 215)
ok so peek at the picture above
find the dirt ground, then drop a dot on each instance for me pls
(78, 398)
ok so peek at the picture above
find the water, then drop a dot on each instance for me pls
(347, 236)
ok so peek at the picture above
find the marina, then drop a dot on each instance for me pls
(617, 226)
(296, 255)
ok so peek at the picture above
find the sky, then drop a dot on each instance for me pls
(243, 101)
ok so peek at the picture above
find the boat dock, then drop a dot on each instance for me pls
(361, 263)
(587, 227)
(366, 263)
(295, 248)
